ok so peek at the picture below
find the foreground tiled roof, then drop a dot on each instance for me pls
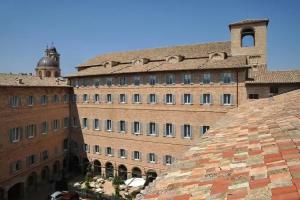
(30, 81)
(251, 153)
(188, 51)
(190, 64)
(276, 77)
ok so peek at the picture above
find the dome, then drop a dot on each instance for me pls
(47, 61)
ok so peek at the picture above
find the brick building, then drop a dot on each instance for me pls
(130, 113)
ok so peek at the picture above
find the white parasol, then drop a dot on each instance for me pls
(135, 182)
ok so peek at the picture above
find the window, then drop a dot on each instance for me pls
(136, 98)
(136, 155)
(15, 134)
(74, 98)
(203, 129)
(187, 78)
(170, 79)
(30, 160)
(136, 127)
(45, 155)
(122, 98)
(109, 98)
(84, 123)
(153, 129)
(30, 131)
(16, 166)
(15, 101)
(227, 99)
(109, 81)
(152, 79)
(226, 77)
(151, 158)
(84, 82)
(274, 90)
(109, 151)
(66, 98)
(108, 125)
(96, 124)
(253, 96)
(170, 99)
(122, 126)
(55, 124)
(97, 149)
(30, 101)
(206, 99)
(122, 153)
(206, 78)
(66, 122)
(96, 98)
(86, 148)
(55, 99)
(85, 98)
(168, 160)
(75, 122)
(44, 100)
(76, 83)
(248, 37)
(96, 82)
(136, 80)
(123, 80)
(44, 127)
(152, 99)
(187, 99)
(66, 144)
(169, 130)
(187, 131)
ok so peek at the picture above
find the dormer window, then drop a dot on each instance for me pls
(174, 59)
(217, 55)
(140, 61)
(248, 37)
(110, 63)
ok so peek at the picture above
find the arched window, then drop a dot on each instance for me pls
(40, 74)
(56, 74)
(248, 37)
(48, 74)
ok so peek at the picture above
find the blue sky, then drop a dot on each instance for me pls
(83, 29)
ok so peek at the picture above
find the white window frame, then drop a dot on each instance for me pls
(44, 127)
(227, 99)
(152, 98)
(30, 101)
(137, 127)
(108, 125)
(227, 78)
(15, 101)
(109, 98)
(136, 98)
(187, 98)
(44, 100)
(96, 125)
(97, 149)
(152, 130)
(84, 123)
(152, 158)
(122, 124)
(206, 78)
(16, 134)
(168, 160)
(170, 79)
(30, 130)
(169, 130)
(122, 98)
(187, 131)
(136, 155)
(206, 98)
(136, 80)
(152, 80)
(169, 99)
(109, 81)
(96, 98)
(187, 78)
(85, 98)
(121, 152)
(109, 151)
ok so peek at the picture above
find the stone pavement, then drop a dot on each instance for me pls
(251, 153)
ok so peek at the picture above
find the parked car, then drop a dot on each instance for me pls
(64, 195)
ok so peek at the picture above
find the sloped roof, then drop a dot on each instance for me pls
(251, 153)
(187, 64)
(292, 76)
(249, 21)
(188, 51)
(30, 81)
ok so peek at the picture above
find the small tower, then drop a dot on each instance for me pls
(249, 37)
(48, 66)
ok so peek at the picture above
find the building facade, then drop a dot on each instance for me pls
(140, 110)
(129, 114)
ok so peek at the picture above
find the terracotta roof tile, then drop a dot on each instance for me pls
(292, 76)
(17, 80)
(251, 153)
(249, 21)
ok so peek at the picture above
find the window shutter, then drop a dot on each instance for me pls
(211, 98)
(34, 130)
(164, 160)
(148, 129)
(141, 98)
(10, 135)
(112, 98)
(148, 99)
(173, 159)
(192, 99)
(201, 130)
(112, 125)
(221, 99)
(112, 152)
(19, 101)
(119, 126)
(165, 130)
(201, 78)
(132, 155)
(126, 99)
(182, 99)
(105, 125)
(94, 149)
(148, 157)
(126, 154)
(156, 129)
(156, 98)
(173, 130)
(26, 131)
(232, 102)
(119, 153)
(222, 78)
(201, 99)
(174, 98)
(191, 132)
(165, 97)
(182, 131)
(233, 78)
(126, 127)
(21, 132)
(140, 156)
(141, 128)
(132, 127)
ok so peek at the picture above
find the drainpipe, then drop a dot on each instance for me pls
(237, 88)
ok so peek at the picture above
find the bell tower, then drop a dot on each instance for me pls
(249, 38)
